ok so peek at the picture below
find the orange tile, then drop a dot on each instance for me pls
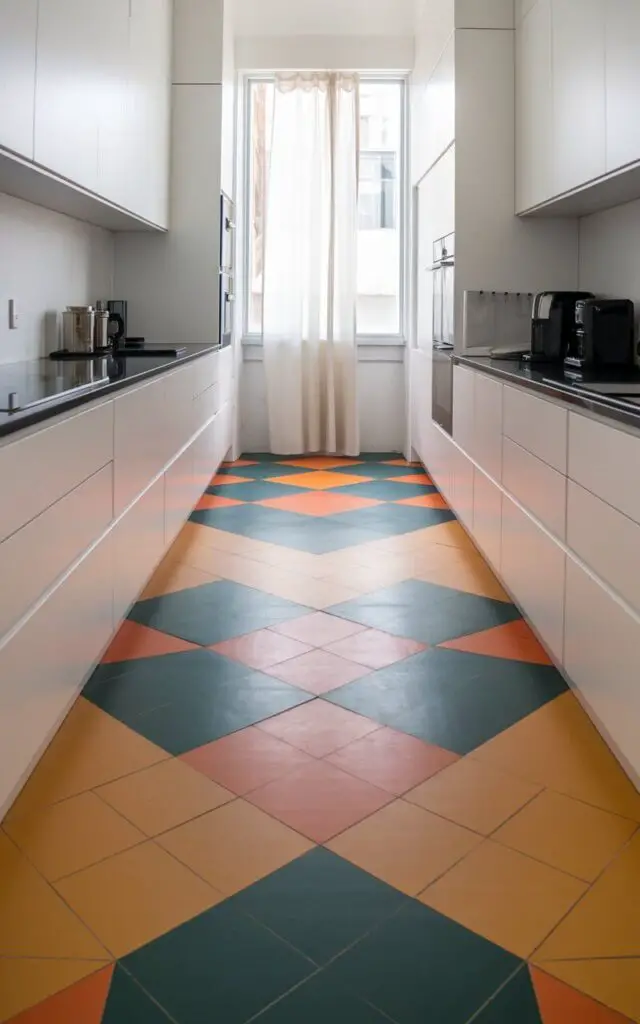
(261, 649)
(470, 574)
(514, 641)
(319, 481)
(318, 629)
(313, 504)
(400, 462)
(415, 478)
(392, 760)
(239, 464)
(615, 983)
(560, 1004)
(375, 649)
(28, 982)
(318, 672)
(321, 462)
(135, 641)
(209, 501)
(82, 1003)
(404, 846)
(228, 479)
(234, 846)
(174, 575)
(246, 760)
(164, 796)
(424, 501)
(136, 896)
(318, 727)
(504, 896)
(450, 534)
(319, 801)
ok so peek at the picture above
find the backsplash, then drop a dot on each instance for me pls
(610, 253)
(47, 261)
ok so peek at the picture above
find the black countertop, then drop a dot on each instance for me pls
(550, 380)
(59, 385)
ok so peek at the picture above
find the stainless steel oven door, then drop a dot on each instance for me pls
(442, 387)
(227, 308)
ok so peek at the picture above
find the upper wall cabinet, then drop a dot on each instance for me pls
(18, 26)
(534, 107)
(623, 82)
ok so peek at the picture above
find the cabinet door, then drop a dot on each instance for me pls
(71, 48)
(18, 21)
(138, 543)
(534, 107)
(115, 172)
(623, 82)
(463, 407)
(579, 131)
(486, 446)
(461, 493)
(487, 517)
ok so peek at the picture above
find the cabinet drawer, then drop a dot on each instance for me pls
(39, 469)
(606, 541)
(486, 446)
(141, 443)
(206, 372)
(487, 517)
(179, 422)
(461, 494)
(537, 425)
(206, 405)
(180, 494)
(35, 556)
(225, 375)
(463, 426)
(138, 547)
(44, 665)
(606, 461)
(602, 651)
(533, 568)
(541, 489)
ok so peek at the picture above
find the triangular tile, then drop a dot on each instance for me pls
(135, 641)
(614, 983)
(561, 1004)
(515, 642)
(514, 1004)
(82, 1003)
(127, 1002)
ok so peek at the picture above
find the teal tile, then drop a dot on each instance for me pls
(387, 490)
(319, 903)
(379, 471)
(301, 533)
(317, 1001)
(128, 1004)
(395, 518)
(262, 470)
(450, 698)
(514, 1004)
(256, 490)
(419, 967)
(221, 966)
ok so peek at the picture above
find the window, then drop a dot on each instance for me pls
(381, 204)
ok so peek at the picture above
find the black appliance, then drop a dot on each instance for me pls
(604, 336)
(118, 311)
(442, 387)
(443, 269)
(553, 321)
(227, 257)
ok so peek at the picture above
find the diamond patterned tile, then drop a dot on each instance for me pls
(514, 641)
(392, 760)
(134, 641)
(317, 1001)
(322, 462)
(322, 503)
(209, 501)
(322, 481)
(173, 575)
(227, 480)
(387, 490)
(561, 1004)
(319, 800)
(515, 1002)
(613, 983)
(375, 649)
(262, 649)
(318, 728)
(128, 1002)
(25, 983)
(84, 1001)
(318, 629)
(246, 760)
(318, 671)
(257, 490)
(424, 501)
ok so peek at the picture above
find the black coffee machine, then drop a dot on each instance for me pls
(553, 325)
(604, 337)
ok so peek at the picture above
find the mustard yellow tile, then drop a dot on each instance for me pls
(134, 897)
(90, 749)
(164, 796)
(171, 577)
(34, 921)
(616, 983)
(606, 923)
(404, 846)
(559, 747)
(234, 846)
(567, 834)
(508, 898)
(474, 795)
(471, 575)
(450, 534)
(25, 982)
(70, 835)
(368, 578)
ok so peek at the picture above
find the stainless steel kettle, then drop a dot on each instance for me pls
(78, 329)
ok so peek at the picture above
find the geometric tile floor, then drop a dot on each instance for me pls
(325, 772)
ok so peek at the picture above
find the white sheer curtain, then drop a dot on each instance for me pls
(310, 266)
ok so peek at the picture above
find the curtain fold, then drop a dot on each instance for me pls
(310, 266)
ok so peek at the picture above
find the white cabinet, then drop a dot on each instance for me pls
(606, 461)
(541, 489)
(487, 517)
(579, 129)
(534, 107)
(463, 407)
(138, 541)
(181, 491)
(623, 82)
(461, 485)
(439, 115)
(486, 446)
(537, 425)
(18, 26)
(117, 173)
(140, 443)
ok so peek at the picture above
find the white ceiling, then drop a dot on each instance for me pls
(324, 17)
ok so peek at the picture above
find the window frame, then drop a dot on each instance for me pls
(402, 79)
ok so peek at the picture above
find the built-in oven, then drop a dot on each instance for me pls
(227, 307)
(443, 269)
(227, 257)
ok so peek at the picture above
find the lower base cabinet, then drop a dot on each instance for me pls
(487, 517)
(138, 540)
(180, 494)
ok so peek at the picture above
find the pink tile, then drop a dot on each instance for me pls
(261, 649)
(318, 629)
(246, 760)
(318, 727)
(392, 760)
(318, 672)
(375, 649)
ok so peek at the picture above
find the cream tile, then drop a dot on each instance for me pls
(568, 834)
(70, 835)
(171, 577)
(26, 982)
(405, 846)
(559, 748)
(510, 899)
(164, 796)
(368, 578)
(134, 897)
(616, 983)
(473, 576)
(474, 795)
(234, 846)
(90, 749)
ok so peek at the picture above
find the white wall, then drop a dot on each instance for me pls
(610, 252)
(47, 262)
(324, 17)
(346, 52)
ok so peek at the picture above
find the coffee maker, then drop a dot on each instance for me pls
(604, 337)
(553, 325)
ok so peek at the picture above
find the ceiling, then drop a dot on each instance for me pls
(324, 17)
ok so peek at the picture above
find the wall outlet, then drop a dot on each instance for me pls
(13, 315)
